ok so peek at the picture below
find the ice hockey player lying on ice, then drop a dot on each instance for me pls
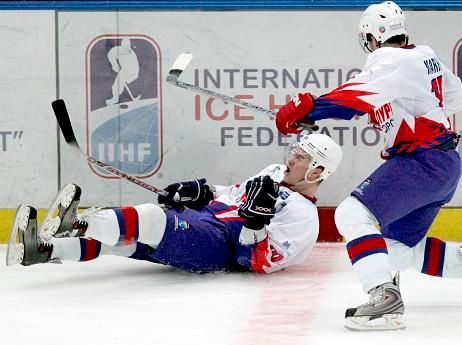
(267, 223)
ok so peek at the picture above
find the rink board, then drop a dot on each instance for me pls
(162, 133)
(446, 226)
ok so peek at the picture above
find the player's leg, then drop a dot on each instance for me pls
(400, 255)
(368, 253)
(115, 227)
(357, 219)
(393, 191)
(193, 241)
(405, 237)
(438, 258)
(82, 250)
(26, 247)
(431, 256)
(409, 245)
(196, 241)
(126, 225)
(33, 251)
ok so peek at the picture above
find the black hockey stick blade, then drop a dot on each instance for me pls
(64, 122)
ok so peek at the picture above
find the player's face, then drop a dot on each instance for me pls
(297, 165)
(373, 45)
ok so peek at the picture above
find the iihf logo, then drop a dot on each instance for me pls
(363, 186)
(124, 103)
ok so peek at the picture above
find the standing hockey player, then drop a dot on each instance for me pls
(408, 94)
(267, 223)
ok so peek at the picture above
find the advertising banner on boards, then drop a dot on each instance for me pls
(129, 116)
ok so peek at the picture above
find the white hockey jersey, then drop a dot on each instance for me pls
(407, 93)
(291, 234)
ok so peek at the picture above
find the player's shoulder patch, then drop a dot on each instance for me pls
(283, 194)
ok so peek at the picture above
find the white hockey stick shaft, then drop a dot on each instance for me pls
(179, 66)
(130, 92)
(60, 110)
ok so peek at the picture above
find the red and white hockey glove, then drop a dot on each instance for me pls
(293, 112)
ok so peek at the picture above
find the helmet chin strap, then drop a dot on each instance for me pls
(301, 183)
(367, 47)
(305, 180)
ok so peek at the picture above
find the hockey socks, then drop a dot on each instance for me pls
(80, 249)
(124, 226)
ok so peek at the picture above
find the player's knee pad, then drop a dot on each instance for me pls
(151, 222)
(352, 215)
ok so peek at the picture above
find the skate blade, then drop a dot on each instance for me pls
(51, 221)
(388, 322)
(15, 250)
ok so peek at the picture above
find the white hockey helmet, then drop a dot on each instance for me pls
(324, 152)
(382, 21)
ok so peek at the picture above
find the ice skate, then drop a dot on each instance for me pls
(24, 246)
(383, 311)
(62, 218)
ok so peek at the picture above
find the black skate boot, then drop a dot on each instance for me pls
(24, 245)
(62, 218)
(382, 312)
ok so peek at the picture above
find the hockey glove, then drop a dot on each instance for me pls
(262, 193)
(191, 194)
(294, 112)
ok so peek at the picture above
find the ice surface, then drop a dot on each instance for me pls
(115, 300)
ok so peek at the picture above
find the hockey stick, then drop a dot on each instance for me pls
(179, 66)
(130, 92)
(64, 122)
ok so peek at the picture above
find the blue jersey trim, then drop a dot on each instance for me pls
(324, 109)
